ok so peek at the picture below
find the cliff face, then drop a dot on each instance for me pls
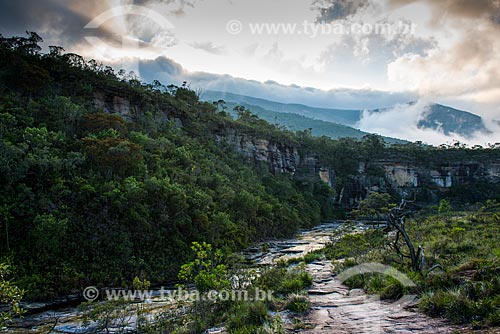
(411, 180)
(405, 180)
(443, 175)
(113, 104)
(280, 158)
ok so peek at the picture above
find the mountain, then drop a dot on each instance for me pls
(297, 122)
(439, 117)
(452, 120)
(340, 116)
(297, 117)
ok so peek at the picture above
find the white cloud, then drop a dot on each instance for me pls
(471, 67)
(402, 122)
(209, 47)
(168, 71)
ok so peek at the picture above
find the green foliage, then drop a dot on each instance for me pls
(283, 280)
(298, 304)
(444, 206)
(247, 313)
(139, 284)
(353, 245)
(460, 307)
(10, 295)
(107, 198)
(206, 271)
(375, 204)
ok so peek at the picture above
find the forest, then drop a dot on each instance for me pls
(94, 198)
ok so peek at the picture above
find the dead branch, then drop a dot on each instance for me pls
(396, 220)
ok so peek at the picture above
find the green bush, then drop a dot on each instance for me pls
(392, 291)
(245, 314)
(298, 303)
(295, 281)
(10, 296)
(250, 329)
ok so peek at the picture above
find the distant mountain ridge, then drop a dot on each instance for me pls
(449, 120)
(440, 118)
(340, 116)
(298, 122)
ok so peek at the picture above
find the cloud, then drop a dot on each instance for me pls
(175, 7)
(63, 22)
(251, 49)
(470, 65)
(367, 55)
(477, 9)
(402, 120)
(169, 72)
(331, 10)
(59, 22)
(464, 66)
(209, 47)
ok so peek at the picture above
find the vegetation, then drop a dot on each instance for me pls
(206, 271)
(10, 295)
(262, 295)
(465, 246)
(95, 198)
(108, 181)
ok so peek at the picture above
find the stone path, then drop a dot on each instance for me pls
(338, 310)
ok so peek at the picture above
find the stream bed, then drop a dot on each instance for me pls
(335, 308)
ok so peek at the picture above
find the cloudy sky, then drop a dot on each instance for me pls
(325, 53)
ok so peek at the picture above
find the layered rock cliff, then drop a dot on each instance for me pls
(402, 179)
(423, 182)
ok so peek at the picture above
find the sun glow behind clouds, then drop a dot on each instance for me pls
(453, 56)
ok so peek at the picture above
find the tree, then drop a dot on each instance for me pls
(376, 204)
(220, 105)
(396, 219)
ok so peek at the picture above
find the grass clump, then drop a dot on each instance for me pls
(298, 304)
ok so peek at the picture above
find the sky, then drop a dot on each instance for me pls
(350, 54)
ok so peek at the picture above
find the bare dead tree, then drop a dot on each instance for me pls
(55, 318)
(396, 219)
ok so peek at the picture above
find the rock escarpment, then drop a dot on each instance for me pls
(408, 180)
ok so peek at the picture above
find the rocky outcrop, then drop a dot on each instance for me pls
(404, 179)
(337, 310)
(280, 158)
(113, 103)
(412, 180)
(443, 175)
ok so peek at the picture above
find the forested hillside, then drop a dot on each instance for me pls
(91, 197)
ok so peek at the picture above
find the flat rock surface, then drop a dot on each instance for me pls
(336, 310)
